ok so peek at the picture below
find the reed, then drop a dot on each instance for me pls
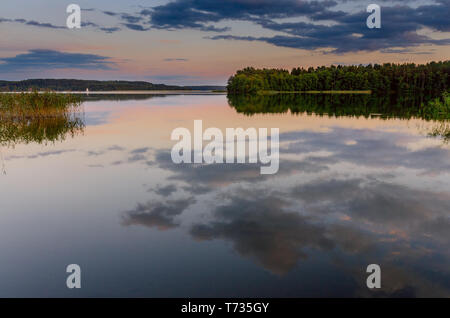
(37, 105)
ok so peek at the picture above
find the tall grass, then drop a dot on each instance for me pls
(37, 105)
(38, 117)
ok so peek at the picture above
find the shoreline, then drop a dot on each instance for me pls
(155, 92)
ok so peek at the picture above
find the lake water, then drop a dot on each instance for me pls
(351, 191)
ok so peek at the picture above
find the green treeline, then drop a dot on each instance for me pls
(428, 79)
(79, 85)
(82, 85)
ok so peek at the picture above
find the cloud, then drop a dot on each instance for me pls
(136, 157)
(100, 152)
(165, 191)
(349, 207)
(406, 51)
(136, 27)
(39, 24)
(39, 59)
(33, 23)
(400, 23)
(41, 154)
(140, 150)
(116, 148)
(84, 24)
(307, 25)
(49, 25)
(157, 214)
(262, 230)
(198, 13)
(175, 60)
(399, 226)
(370, 148)
(203, 178)
(342, 217)
(110, 29)
(375, 202)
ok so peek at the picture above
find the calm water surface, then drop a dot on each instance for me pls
(350, 192)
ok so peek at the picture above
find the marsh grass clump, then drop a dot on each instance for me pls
(37, 105)
(39, 117)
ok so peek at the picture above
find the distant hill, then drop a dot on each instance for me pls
(82, 85)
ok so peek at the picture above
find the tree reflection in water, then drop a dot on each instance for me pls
(348, 105)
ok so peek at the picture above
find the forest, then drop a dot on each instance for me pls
(82, 85)
(428, 79)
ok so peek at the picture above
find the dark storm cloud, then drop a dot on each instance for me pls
(49, 59)
(157, 214)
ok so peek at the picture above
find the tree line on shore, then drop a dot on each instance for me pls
(92, 85)
(429, 79)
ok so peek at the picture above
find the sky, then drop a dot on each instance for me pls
(196, 42)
